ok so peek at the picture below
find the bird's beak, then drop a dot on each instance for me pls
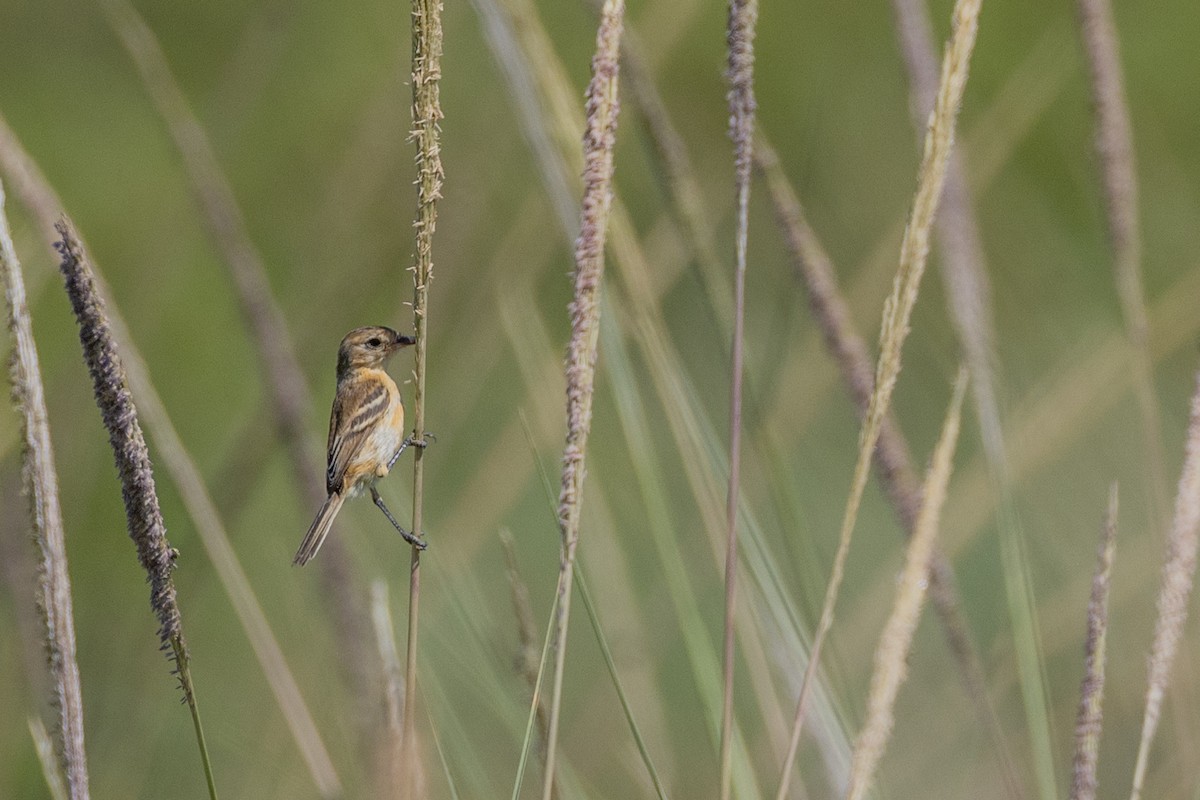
(403, 341)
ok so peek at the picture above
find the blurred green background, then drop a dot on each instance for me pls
(307, 108)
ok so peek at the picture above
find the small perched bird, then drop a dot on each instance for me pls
(366, 430)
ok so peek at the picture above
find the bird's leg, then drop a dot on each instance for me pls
(413, 441)
(408, 537)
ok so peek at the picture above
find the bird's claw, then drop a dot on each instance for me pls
(422, 441)
(414, 540)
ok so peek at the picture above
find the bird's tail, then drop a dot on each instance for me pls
(318, 530)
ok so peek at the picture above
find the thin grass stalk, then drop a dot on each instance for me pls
(120, 417)
(1118, 171)
(426, 116)
(1091, 693)
(897, 311)
(599, 140)
(437, 743)
(39, 197)
(527, 660)
(47, 756)
(895, 642)
(1178, 572)
(964, 267)
(660, 791)
(703, 458)
(743, 20)
(290, 401)
(521, 599)
(893, 460)
(41, 487)
(391, 751)
(535, 702)
(678, 174)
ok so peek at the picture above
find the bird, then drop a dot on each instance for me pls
(366, 430)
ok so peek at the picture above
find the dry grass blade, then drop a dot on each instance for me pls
(1177, 575)
(896, 313)
(599, 141)
(1089, 718)
(743, 20)
(120, 418)
(1115, 152)
(893, 460)
(891, 656)
(426, 115)
(41, 487)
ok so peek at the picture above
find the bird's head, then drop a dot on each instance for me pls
(369, 347)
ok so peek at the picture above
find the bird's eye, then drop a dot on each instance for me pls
(374, 342)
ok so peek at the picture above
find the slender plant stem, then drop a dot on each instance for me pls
(120, 417)
(1089, 718)
(38, 196)
(290, 403)
(893, 459)
(1118, 171)
(895, 642)
(743, 19)
(606, 652)
(897, 312)
(599, 140)
(426, 115)
(1178, 575)
(41, 484)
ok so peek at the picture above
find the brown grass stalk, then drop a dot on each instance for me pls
(599, 140)
(897, 311)
(39, 197)
(1178, 573)
(743, 21)
(891, 656)
(1118, 172)
(1091, 693)
(426, 116)
(893, 460)
(290, 401)
(41, 488)
(120, 417)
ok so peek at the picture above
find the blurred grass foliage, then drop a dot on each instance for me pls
(307, 106)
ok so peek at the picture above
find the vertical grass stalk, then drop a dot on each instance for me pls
(39, 197)
(893, 459)
(145, 521)
(743, 20)
(897, 311)
(290, 405)
(1177, 577)
(1091, 692)
(41, 486)
(891, 655)
(426, 115)
(599, 140)
(1118, 173)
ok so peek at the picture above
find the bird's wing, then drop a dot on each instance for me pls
(359, 406)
